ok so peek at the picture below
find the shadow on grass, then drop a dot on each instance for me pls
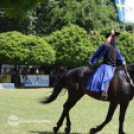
(38, 132)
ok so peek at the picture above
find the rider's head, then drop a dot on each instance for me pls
(114, 39)
(115, 36)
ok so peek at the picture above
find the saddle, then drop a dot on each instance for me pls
(89, 72)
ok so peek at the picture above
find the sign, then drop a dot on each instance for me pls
(6, 85)
(5, 78)
(35, 80)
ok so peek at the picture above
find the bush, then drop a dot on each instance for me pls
(73, 46)
(126, 45)
(16, 48)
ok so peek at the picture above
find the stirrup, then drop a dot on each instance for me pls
(104, 95)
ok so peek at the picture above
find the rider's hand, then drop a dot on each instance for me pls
(124, 63)
(112, 32)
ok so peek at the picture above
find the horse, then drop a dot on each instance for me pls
(120, 92)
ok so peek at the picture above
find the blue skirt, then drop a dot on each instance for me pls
(99, 81)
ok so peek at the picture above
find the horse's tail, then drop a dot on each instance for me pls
(57, 89)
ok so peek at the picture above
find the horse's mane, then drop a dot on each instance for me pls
(130, 67)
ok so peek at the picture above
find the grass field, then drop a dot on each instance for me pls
(36, 118)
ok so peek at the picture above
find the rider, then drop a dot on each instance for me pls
(112, 58)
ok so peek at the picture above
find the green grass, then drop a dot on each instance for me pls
(87, 113)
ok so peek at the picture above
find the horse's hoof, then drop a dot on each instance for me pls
(122, 133)
(92, 131)
(55, 129)
(67, 130)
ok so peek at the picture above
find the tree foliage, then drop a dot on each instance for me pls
(51, 15)
(82, 13)
(18, 49)
(126, 45)
(72, 45)
(27, 25)
(18, 8)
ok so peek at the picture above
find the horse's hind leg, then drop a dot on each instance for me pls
(67, 106)
(111, 110)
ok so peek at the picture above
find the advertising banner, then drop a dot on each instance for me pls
(5, 78)
(6, 85)
(35, 80)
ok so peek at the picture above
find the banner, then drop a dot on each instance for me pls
(5, 78)
(35, 80)
(125, 10)
(6, 85)
(129, 11)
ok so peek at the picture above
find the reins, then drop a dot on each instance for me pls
(128, 75)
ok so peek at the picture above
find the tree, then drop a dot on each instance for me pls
(18, 8)
(84, 13)
(51, 15)
(27, 25)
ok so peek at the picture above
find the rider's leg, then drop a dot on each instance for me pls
(104, 95)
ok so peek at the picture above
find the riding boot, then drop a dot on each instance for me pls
(104, 95)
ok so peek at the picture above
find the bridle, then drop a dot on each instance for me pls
(129, 77)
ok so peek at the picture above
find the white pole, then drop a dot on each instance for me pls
(124, 26)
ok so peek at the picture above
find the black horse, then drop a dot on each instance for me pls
(120, 92)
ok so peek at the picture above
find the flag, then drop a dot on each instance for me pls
(125, 10)
(120, 5)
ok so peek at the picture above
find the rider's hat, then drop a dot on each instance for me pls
(115, 34)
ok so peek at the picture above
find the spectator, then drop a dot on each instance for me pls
(32, 70)
(24, 72)
(53, 77)
(5, 71)
(59, 73)
(10, 72)
(14, 77)
(42, 71)
(36, 71)
(65, 69)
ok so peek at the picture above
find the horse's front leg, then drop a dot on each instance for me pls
(67, 129)
(123, 108)
(111, 110)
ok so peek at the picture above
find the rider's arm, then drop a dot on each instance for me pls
(121, 59)
(109, 38)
